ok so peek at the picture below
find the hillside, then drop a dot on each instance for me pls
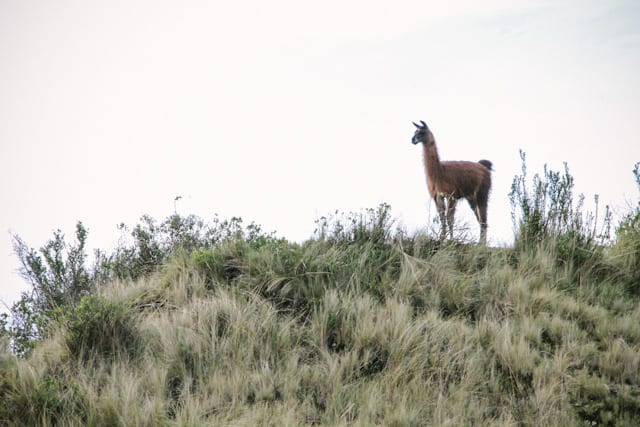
(360, 325)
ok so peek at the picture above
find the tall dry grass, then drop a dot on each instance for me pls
(387, 331)
(361, 325)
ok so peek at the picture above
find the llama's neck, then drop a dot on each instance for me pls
(432, 164)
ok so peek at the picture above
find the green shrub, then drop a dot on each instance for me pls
(547, 217)
(51, 397)
(599, 403)
(219, 265)
(625, 253)
(58, 277)
(549, 210)
(370, 226)
(98, 328)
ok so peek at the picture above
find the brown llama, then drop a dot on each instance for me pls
(452, 180)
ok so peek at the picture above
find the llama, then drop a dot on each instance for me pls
(452, 180)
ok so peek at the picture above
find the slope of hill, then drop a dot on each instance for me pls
(361, 331)
(361, 325)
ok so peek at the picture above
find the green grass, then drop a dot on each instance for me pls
(360, 326)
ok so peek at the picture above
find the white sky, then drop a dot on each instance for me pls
(282, 111)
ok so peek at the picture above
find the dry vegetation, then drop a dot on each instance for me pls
(361, 325)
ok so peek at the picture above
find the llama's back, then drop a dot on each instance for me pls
(463, 178)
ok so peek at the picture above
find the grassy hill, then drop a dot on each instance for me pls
(360, 325)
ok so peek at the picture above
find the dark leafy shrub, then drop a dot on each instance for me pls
(56, 272)
(154, 243)
(365, 241)
(58, 277)
(220, 264)
(97, 327)
(599, 403)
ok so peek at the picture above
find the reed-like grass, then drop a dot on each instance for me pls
(347, 329)
(361, 325)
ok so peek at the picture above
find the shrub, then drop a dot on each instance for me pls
(50, 398)
(549, 214)
(99, 328)
(626, 249)
(58, 277)
(219, 265)
(371, 226)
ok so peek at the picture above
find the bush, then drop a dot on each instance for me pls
(50, 398)
(549, 214)
(371, 226)
(220, 264)
(58, 277)
(354, 251)
(626, 249)
(99, 328)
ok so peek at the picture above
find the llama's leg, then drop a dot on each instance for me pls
(481, 216)
(481, 213)
(439, 199)
(474, 208)
(451, 211)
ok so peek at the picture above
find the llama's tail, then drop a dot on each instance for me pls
(486, 163)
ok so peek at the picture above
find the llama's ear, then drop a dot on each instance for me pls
(414, 123)
(423, 124)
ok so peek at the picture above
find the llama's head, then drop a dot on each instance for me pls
(422, 134)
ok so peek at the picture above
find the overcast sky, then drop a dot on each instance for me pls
(286, 110)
